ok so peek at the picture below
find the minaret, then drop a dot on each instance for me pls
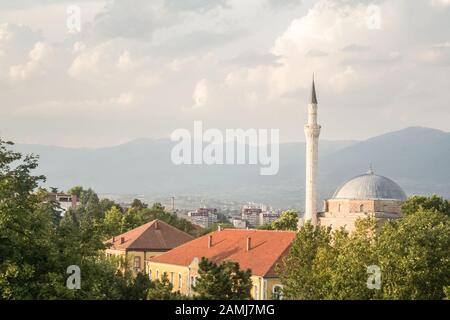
(312, 131)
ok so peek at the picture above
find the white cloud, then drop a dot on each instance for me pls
(440, 3)
(79, 46)
(200, 95)
(50, 17)
(326, 28)
(438, 54)
(215, 60)
(16, 41)
(343, 80)
(444, 45)
(125, 62)
(85, 63)
(124, 99)
(56, 108)
(36, 56)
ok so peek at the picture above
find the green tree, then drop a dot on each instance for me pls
(163, 290)
(138, 204)
(287, 221)
(158, 207)
(297, 269)
(447, 292)
(412, 253)
(76, 190)
(112, 223)
(414, 256)
(107, 204)
(49, 205)
(420, 203)
(90, 205)
(132, 219)
(224, 281)
(215, 227)
(135, 286)
(267, 226)
(25, 232)
(35, 251)
(345, 270)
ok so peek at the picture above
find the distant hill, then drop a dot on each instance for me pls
(416, 158)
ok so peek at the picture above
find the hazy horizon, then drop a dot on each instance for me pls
(168, 139)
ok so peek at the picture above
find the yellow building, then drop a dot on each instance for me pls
(257, 250)
(146, 241)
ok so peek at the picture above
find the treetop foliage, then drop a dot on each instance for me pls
(412, 254)
(37, 244)
(224, 281)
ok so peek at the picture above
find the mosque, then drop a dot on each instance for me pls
(365, 195)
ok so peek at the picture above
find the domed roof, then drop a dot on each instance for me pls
(370, 186)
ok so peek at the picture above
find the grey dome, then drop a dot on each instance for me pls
(370, 186)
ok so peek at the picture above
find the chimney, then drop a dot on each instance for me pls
(156, 224)
(122, 240)
(210, 241)
(219, 228)
(249, 243)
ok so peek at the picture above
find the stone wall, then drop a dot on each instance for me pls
(340, 213)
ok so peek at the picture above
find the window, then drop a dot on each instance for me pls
(171, 277)
(179, 281)
(137, 263)
(150, 274)
(277, 292)
(157, 275)
(361, 208)
(339, 207)
(255, 292)
(193, 281)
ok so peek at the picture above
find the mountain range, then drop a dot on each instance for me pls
(417, 158)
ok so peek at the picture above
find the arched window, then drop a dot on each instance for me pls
(179, 281)
(277, 292)
(361, 208)
(157, 275)
(339, 207)
(150, 274)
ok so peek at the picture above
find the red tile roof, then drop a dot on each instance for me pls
(266, 250)
(154, 235)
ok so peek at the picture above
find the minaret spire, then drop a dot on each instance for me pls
(313, 92)
(312, 132)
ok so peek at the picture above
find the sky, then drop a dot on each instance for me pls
(142, 69)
